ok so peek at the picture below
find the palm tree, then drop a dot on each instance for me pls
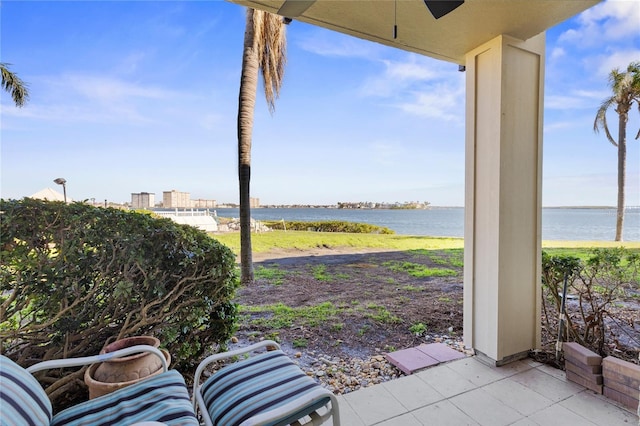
(12, 84)
(626, 90)
(265, 52)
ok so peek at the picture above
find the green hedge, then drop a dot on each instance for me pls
(73, 276)
(328, 226)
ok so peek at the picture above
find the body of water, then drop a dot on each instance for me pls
(593, 224)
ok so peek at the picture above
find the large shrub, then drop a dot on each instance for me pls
(73, 276)
(602, 300)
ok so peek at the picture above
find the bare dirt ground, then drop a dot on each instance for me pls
(370, 301)
(374, 301)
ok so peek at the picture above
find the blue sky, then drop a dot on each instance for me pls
(141, 96)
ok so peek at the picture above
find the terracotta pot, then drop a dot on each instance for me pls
(130, 367)
(105, 377)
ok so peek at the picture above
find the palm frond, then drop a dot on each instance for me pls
(634, 70)
(601, 119)
(271, 42)
(14, 85)
(625, 86)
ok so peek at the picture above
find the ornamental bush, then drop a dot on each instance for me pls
(73, 277)
(329, 226)
(601, 306)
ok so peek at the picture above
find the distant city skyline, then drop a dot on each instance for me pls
(137, 96)
(53, 195)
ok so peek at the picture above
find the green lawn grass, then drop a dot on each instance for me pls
(305, 240)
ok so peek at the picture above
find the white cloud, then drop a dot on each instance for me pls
(414, 83)
(75, 97)
(612, 20)
(327, 43)
(420, 86)
(592, 94)
(574, 100)
(73, 112)
(100, 98)
(410, 70)
(619, 18)
(557, 52)
(600, 39)
(109, 90)
(410, 74)
(570, 36)
(550, 127)
(619, 59)
(442, 102)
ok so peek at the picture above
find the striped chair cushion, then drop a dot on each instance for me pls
(163, 398)
(241, 390)
(22, 399)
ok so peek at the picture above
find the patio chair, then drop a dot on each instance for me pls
(159, 398)
(264, 388)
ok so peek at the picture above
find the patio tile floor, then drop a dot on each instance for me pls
(469, 392)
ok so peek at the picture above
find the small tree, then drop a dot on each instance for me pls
(626, 90)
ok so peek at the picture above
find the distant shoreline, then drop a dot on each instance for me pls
(557, 223)
(587, 207)
(335, 207)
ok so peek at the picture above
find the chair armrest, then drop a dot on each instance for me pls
(197, 397)
(292, 407)
(74, 362)
(216, 357)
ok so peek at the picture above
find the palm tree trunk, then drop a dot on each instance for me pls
(622, 172)
(246, 107)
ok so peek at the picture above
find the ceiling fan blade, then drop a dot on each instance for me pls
(293, 8)
(439, 8)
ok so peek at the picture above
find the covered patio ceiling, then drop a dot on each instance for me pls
(448, 38)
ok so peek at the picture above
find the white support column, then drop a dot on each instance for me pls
(502, 239)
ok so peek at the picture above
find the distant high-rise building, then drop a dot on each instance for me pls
(143, 200)
(176, 199)
(254, 202)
